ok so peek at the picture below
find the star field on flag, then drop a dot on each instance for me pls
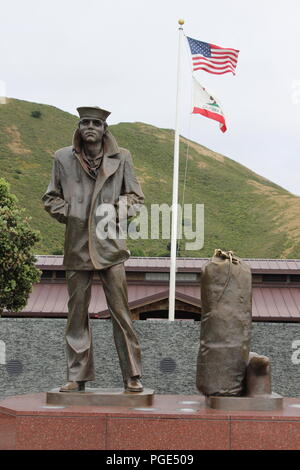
(211, 58)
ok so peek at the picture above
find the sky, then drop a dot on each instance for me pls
(122, 56)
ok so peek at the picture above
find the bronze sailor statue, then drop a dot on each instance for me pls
(93, 172)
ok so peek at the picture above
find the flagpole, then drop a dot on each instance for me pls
(172, 284)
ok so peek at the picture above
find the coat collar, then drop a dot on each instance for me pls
(111, 158)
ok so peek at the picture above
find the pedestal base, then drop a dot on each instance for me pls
(271, 402)
(101, 397)
(174, 422)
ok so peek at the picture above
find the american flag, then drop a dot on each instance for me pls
(213, 59)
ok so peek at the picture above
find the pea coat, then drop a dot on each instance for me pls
(73, 198)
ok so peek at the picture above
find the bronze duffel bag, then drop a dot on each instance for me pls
(225, 326)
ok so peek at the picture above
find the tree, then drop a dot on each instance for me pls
(17, 263)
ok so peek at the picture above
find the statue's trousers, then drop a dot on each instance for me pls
(78, 331)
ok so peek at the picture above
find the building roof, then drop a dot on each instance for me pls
(261, 265)
(268, 303)
(276, 303)
(271, 302)
(52, 299)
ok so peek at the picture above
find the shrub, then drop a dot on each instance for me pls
(137, 252)
(36, 114)
(17, 263)
(57, 252)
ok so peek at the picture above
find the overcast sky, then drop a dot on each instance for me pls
(122, 55)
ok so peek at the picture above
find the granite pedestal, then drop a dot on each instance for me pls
(172, 422)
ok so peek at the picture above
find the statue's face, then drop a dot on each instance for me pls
(91, 130)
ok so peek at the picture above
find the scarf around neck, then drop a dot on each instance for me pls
(91, 165)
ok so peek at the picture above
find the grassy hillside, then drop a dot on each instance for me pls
(243, 211)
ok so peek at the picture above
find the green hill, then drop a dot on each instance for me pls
(243, 211)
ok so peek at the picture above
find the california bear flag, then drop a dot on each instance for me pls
(204, 103)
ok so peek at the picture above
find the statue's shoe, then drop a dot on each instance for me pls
(133, 384)
(73, 387)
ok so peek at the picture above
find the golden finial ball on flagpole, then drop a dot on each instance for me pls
(181, 22)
